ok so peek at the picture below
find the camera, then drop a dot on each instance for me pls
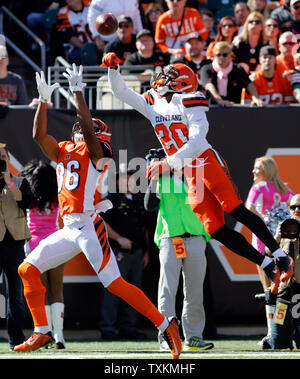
(290, 228)
(155, 154)
(3, 165)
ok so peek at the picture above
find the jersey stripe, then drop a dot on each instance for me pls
(194, 102)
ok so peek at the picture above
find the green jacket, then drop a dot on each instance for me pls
(175, 216)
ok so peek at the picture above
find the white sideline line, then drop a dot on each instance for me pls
(145, 355)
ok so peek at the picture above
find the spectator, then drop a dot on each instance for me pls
(241, 12)
(146, 54)
(173, 26)
(209, 23)
(125, 42)
(194, 54)
(12, 86)
(151, 16)
(285, 60)
(296, 76)
(224, 79)
(246, 46)
(129, 8)
(272, 85)
(72, 29)
(128, 236)
(15, 198)
(262, 6)
(181, 240)
(267, 192)
(272, 32)
(295, 11)
(35, 18)
(283, 15)
(226, 31)
(42, 220)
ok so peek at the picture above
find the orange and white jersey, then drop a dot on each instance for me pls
(76, 178)
(278, 90)
(180, 125)
(167, 29)
(67, 19)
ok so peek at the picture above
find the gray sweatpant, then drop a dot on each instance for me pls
(193, 270)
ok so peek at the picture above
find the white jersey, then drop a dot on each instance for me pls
(181, 125)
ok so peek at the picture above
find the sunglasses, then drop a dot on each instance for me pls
(256, 22)
(224, 55)
(294, 207)
(227, 26)
(121, 26)
(174, 1)
(155, 11)
(272, 26)
(296, 7)
(288, 43)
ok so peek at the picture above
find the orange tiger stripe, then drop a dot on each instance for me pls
(106, 257)
(149, 98)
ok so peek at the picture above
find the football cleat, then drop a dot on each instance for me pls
(273, 274)
(36, 341)
(172, 337)
(196, 344)
(286, 267)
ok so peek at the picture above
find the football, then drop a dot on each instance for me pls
(106, 24)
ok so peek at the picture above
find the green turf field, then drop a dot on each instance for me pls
(225, 348)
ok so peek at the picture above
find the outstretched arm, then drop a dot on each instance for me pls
(47, 143)
(83, 113)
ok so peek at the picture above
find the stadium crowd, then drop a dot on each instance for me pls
(166, 31)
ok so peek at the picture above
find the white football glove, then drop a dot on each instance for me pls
(75, 78)
(44, 89)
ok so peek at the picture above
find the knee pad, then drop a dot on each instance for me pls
(27, 270)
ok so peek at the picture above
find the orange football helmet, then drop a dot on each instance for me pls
(100, 128)
(177, 77)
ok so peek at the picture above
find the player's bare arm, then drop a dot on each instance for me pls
(47, 143)
(84, 116)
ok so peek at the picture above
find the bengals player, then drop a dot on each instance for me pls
(272, 84)
(79, 165)
(177, 112)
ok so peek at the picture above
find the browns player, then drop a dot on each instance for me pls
(79, 163)
(176, 111)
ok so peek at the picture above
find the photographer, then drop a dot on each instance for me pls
(286, 321)
(15, 197)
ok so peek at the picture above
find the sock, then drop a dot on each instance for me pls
(256, 225)
(34, 293)
(163, 326)
(266, 262)
(57, 313)
(42, 329)
(137, 299)
(279, 253)
(49, 318)
(237, 243)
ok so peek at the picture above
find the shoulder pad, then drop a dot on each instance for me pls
(196, 99)
(149, 97)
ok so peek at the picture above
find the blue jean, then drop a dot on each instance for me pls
(11, 256)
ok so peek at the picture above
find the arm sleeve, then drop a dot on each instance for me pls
(197, 143)
(125, 94)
